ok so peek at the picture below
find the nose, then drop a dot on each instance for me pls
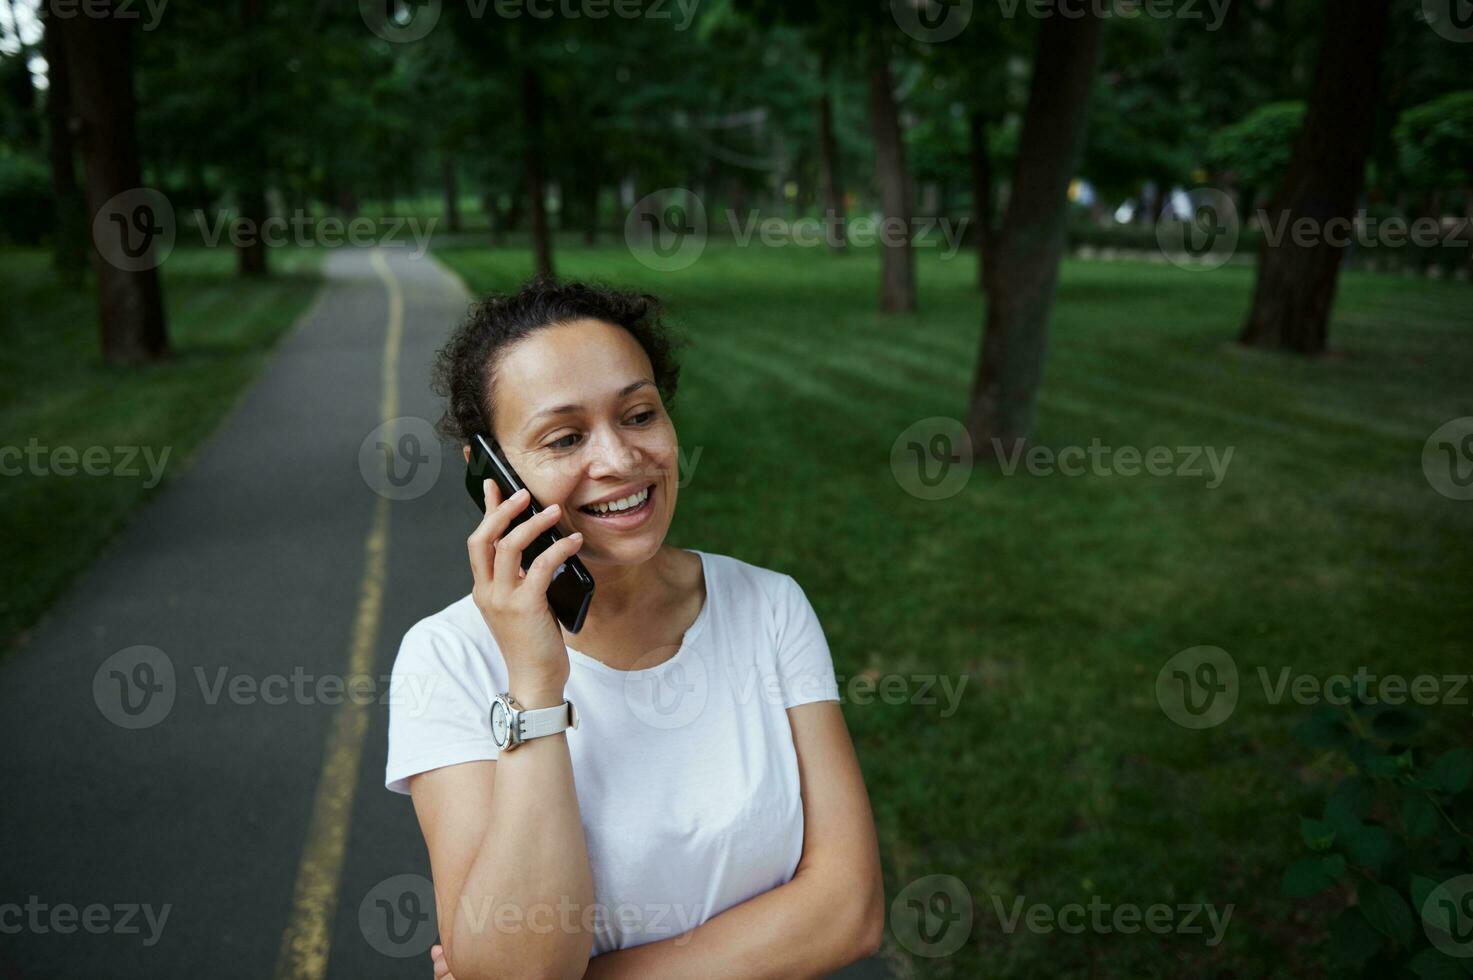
(611, 456)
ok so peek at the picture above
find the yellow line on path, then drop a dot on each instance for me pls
(305, 944)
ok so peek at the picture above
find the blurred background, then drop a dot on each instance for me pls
(1100, 368)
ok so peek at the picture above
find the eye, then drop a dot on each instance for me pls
(564, 442)
(643, 418)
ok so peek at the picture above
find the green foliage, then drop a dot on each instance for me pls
(1388, 834)
(1058, 776)
(1256, 150)
(25, 198)
(1435, 142)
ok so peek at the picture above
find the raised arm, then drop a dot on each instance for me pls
(507, 852)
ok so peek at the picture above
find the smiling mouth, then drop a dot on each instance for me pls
(626, 507)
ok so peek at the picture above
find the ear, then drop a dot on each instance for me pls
(466, 452)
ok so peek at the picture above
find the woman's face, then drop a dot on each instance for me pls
(581, 421)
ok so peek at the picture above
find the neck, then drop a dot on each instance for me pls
(619, 590)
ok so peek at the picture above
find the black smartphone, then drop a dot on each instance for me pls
(572, 586)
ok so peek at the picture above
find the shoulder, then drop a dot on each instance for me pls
(455, 638)
(753, 587)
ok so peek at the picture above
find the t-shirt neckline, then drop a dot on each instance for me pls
(692, 632)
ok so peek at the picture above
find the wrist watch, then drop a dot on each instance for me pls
(511, 724)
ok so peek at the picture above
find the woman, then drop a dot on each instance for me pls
(706, 816)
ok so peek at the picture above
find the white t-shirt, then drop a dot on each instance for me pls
(686, 774)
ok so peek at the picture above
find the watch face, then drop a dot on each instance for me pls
(500, 723)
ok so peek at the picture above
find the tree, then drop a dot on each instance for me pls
(1435, 144)
(251, 182)
(1255, 151)
(1297, 278)
(1022, 276)
(99, 54)
(866, 33)
(897, 259)
(828, 151)
(69, 244)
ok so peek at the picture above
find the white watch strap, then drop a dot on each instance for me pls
(537, 722)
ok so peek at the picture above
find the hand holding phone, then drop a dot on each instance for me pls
(569, 586)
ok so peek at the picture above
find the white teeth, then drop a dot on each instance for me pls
(633, 500)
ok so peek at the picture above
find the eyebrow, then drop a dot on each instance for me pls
(628, 389)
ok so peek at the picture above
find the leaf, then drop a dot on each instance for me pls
(1419, 816)
(1318, 835)
(1397, 723)
(1352, 940)
(1452, 772)
(1305, 878)
(1351, 798)
(1368, 846)
(1324, 728)
(1420, 889)
(1386, 911)
(1434, 964)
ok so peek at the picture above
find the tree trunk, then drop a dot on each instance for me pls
(897, 261)
(451, 183)
(536, 186)
(590, 212)
(828, 152)
(99, 55)
(982, 195)
(1020, 280)
(1297, 280)
(69, 230)
(251, 254)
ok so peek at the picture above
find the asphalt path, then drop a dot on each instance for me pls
(194, 736)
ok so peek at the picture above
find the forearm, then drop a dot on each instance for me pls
(520, 911)
(808, 927)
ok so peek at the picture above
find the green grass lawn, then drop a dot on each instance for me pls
(1059, 599)
(60, 394)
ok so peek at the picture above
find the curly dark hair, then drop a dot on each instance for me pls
(465, 368)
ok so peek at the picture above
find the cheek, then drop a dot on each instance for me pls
(553, 482)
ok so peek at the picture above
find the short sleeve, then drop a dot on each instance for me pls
(439, 704)
(805, 666)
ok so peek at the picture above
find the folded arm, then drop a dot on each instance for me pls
(830, 914)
